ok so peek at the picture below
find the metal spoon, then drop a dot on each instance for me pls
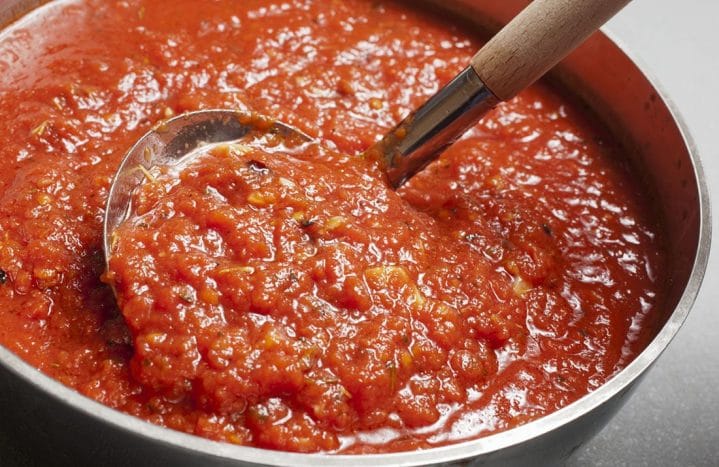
(533, 42)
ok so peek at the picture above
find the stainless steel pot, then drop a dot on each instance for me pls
(68, 428)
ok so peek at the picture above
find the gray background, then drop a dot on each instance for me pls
(673, 417)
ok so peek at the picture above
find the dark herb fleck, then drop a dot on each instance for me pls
(547, 229)
(3, 276)
(258, 166)
(304, 222)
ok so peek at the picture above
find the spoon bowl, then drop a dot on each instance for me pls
(174, 142)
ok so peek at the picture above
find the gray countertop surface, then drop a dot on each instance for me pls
(673, 417)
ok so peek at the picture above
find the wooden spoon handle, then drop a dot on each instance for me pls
(536, 39)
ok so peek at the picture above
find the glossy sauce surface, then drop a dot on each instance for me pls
(299, 304)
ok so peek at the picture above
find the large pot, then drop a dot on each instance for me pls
(68, 428)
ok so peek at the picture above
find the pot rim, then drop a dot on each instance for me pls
(452, 452)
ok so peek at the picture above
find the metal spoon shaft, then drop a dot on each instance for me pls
(429, 130)
(533, 42)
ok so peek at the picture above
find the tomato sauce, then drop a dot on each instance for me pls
(292, 300)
